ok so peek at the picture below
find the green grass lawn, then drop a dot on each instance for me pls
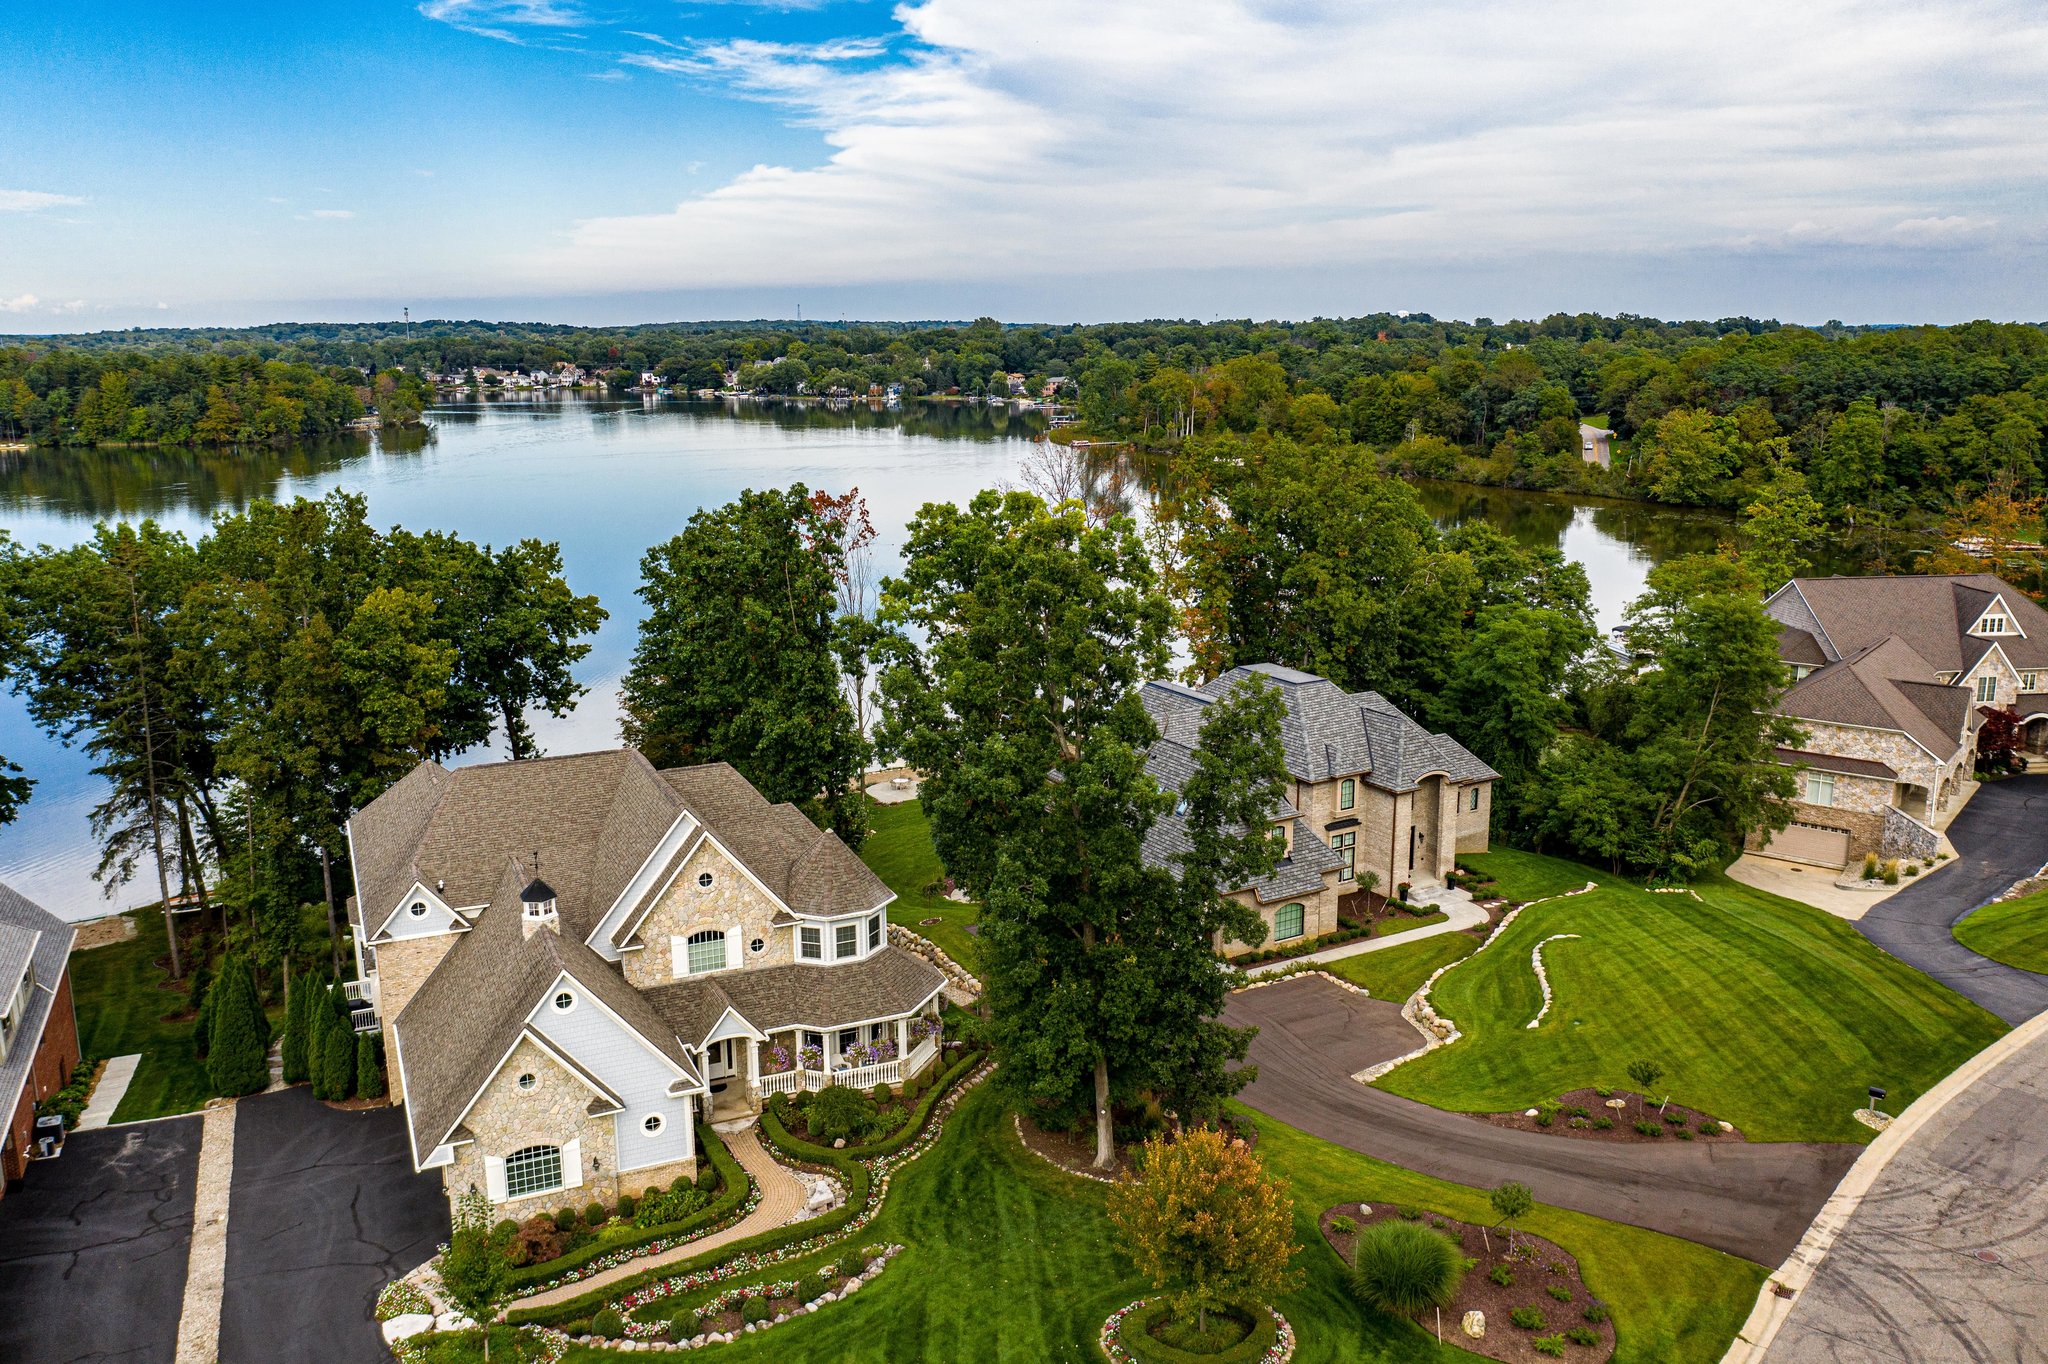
(1395, 973)
(899, 850)
(2012, 931)
(120, 1013)
(1762, 1012)
(1011, 1260)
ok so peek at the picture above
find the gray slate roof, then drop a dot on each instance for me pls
(29, 935)
(778, 998)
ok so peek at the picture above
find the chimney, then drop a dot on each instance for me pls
(537, 908)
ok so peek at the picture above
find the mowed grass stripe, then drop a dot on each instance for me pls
(1766, 1013)
(2012, 931)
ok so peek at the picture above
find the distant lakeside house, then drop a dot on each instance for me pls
(575, 959)
(1892, 680)
(1370, 794)
(38, 1025)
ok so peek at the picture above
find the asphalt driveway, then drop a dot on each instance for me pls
(93, 1248)
(325, 1210)
(2001, 837)
(1754, 1200)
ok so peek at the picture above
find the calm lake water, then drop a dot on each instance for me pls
(607, 480)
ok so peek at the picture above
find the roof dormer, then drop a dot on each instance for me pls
(1997, 622)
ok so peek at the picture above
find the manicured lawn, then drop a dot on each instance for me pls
(2013, 931)
(1765, 1013)
(1398, 972)
(120, 1013)
(1011, 1260)
(900, 852)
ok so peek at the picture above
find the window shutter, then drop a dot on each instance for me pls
(572, 1163)
(732, 944)
(678, 955)
(494, 1178)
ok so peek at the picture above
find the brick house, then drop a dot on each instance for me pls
(38, 1026)
(1369, 791)
(1891, 679)
(573, 960)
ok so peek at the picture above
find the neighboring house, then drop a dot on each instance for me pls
(1370, 791)
(38, 1026)
(1595, 445)
(1891, 676)
(576, 958)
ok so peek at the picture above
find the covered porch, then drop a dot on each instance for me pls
(861, 1056)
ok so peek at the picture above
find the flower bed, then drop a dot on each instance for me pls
(403, 1298)
(727, 1314)
(549, 1346)
(1270, 1342)
(1512, 1281)
(1579, 1114)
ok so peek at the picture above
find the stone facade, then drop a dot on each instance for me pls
(402, 967)
(1904, 837)
(732, 903)
(507, 1118)
(1915, 766)
(2005, 678)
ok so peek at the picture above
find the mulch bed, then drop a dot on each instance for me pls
(357, 1105)
(1568, 1124)
(1073, 1152)
(1536, 1265)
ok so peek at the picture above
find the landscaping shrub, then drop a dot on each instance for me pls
(755, 1310)
(1708, 1127)
(565, 1219)
(1650, 1127)
(369, 1075)
(1502, 1275)
(1135, 1335)
(1912, 869)
(1603, 1123)
(1870, 866)
(667, 1206)
(683, 1324)
(536, 1241)
(297, 1017)
(707, 1177)
(593, 1215)
(1528, 1318)
(238, 1050)
(626, 1207)
(1401, 1268)
(1548, 1345)
(1596, 1312)
(608, 1323)
(1582, 1335)
(1560, 1292)
(1343, 1226)
(881, 1094)
(851, 1264)
(1546, 1113)
(836, 1113)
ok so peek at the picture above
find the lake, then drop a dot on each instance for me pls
(606, 480)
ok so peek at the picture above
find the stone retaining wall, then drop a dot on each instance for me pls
(917, 945)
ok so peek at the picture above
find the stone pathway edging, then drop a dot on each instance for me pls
(1438, 1031)
(207, 1266)
(1542, 976)
(1338, 981)
(108, 1093)
(782, 1196)
(1772, 1309)
(1113, 1349)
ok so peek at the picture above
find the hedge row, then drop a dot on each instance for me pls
(1134, 1333)
(775, 1124)
(733, 1185)
(846, 1164)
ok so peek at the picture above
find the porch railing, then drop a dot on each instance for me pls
(859, 1077)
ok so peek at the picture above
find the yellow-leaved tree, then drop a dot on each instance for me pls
(1207, 1225)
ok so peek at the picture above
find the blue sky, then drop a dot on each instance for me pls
(575, 160)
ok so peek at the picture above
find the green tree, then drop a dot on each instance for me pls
(1645, 1074)
(1779, 528)
(297, 1022)
(1504, 697)
(1021, 705)
(1511, 1201)
(1207, 1225)
(369, 1074)
(337, 1051)
(320, 1023)
(735, 661)
(1692, 458)
(238, 1047)
(476, 1271)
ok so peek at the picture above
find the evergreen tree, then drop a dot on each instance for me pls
(297, 1019)
(237, 1061)
(319, 1023)
(201, 989)
(369, 1075)
(340, 1055)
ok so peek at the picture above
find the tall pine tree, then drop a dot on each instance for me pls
(297, 1018)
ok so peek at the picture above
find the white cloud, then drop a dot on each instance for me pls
(989, 138)
(501, 19)
(328, 213)
(20, 303)
(32, 200)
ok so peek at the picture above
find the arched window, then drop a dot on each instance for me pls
(706, 949)
(1287, 921)
(536, 1169)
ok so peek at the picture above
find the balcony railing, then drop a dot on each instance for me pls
(859, 1077)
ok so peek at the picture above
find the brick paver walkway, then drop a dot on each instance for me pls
(782, 1197)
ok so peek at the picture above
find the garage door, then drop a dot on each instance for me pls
(1810, 843)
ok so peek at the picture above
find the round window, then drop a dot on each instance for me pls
(758, 945)
(564, 1002)
(653, 1124)
(527, 1081)
(418, 909)
(704, 880)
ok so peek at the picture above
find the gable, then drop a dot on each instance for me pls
(419, 913)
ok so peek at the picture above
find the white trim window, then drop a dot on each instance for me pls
(1987, 689)
(874, 932)
(810, 942)
(845, 941)
(704, 951)
(2030, 681)
(1820, 788)
(1992, 625)
(533, 1170)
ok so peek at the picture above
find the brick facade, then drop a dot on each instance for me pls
(56, 1057)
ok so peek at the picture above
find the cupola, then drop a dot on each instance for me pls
(537, 905)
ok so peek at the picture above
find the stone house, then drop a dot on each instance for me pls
(1892, 677)
(38, 1026)
(574, 960)
(1371, 794)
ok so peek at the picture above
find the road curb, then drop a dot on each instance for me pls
(1773, 1306)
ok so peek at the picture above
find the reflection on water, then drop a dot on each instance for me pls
(608, 479)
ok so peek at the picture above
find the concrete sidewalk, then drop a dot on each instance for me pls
(108, 1093)
(1462, 914)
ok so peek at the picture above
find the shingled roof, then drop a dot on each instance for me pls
(1932, 613)
(29, 936)
(807, 868)
(1884, 685)
(885, 984)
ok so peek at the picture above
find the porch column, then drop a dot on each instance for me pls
(903, 1045)
(753, 1070)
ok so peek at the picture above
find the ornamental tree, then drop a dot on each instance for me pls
(1018, 639)
(1206, 1224)
(476, 1272)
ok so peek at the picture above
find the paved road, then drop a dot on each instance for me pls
(325, 1210)
(2001, 837)
(93, 1248)
(1946, 1258)
(1754, 1200)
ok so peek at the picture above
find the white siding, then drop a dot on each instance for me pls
(606, 1048)
(401, 923)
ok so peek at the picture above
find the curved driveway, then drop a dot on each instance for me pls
(2001, 837)
(1751, 1199)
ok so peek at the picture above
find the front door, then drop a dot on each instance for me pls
(719, 1061)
